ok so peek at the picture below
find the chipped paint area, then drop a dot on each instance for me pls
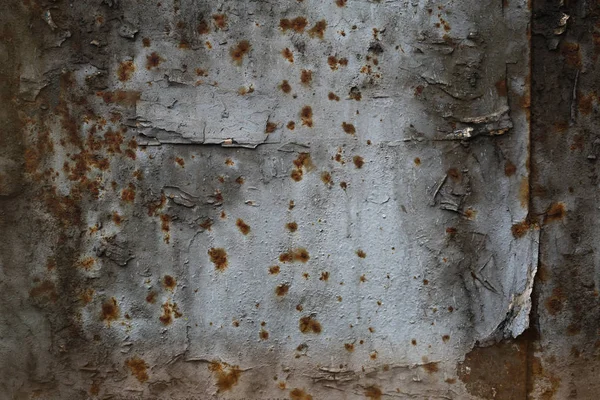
(299, 199)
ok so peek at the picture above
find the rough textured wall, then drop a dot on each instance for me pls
(293, 199)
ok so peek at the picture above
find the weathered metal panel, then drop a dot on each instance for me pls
(263, 199)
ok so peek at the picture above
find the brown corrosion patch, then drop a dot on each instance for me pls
(340, 3)
(303, 162)
(554, 303)
(220, 21)
(242, 226)
(509, 168)
(299, 254)
(348, 128)
(318, 30)
(170, 310)
(239, 51)
(227, 375)
(555, 212)
(128, 194)
(309, 325)
(153, 60)
(125, 70)
(206, 224)
(264, 335)
(326, 178)
(110, 311)
(358, 161)
(306, 115)
(270, 127)
(333, 97)
(355, 93)
(291, 226)
(297, 24)
(501, 87)
(146, 42)
(373, 392)
(361, 253)
(138, 368)
(299, 394)
(496, 372)
(274, 269)
(285, 86)
(431, 367)
(169, 282)
(291, 125)
(349, 346)
(306, 76)
(282, 290)
(520, 229)
(151, 297)
(324, 276)
(44, 289)
(287, 54)
(218, 256)
(524, 192)
(571, 53)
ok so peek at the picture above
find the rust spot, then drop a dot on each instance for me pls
(355, 93)
(306, 76)
(454, 174)
(242, 226)
(153, 60)
(362, 278)
(285, 87)
(203, 28)
(333, 97)
(585, 103)
(361, 253)
(169, 282)
(445, 338)
(274, 270)
(340, 3)
(128, 194)
(229, 162)
(306, 116)
(373, 392)
(430, 367)
(501, 88)
(291, 125)
(425, 282)
(116, 218)
(324, 276)
(44, 289)
(299, 307)
(110, 311)
(218, 256)
(417, 161)
(227, 375)
(220, 21)
(348, 128)
(206, 224)
(180, 161)
(318, 30)
(571, 53)
(520, 229)
(413, 342)
(270, 128)
(170, 310)
(95, 388)
(297, 24)
(151, 297)
(555, 212)
(343, 185)
(287, 54)
(239, 51)
(87, 263)
(146, 42)
(299, 394)
(554, 303)
(509, 168)
(291, 226)
(300, 254)
(524, 192)
(138, 368)
(358, 161)
(349, 346)
(125, 70)
(373, 355)
(326, 178)
(291, 205)
(282, 290)
(309, 325)
(264, 335)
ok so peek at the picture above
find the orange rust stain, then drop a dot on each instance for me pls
(501, 88)
(299, 254)
(218, 256)
(373, 355)
(450, 380)
(299, 307)
(413, 342)
(571, 53)
(87, 263)
(124, 97)
(264, 335)
(349, 347)
(291, 205)
(340, 3)
(282, 290)
(430, 367)
(238, 52)
(417, 161)
(169, 282)
(343, 185)
(297, 24)
(125, 70)
(555, 212)
(153, 207)
(291, 125)
(324, 276)
(270, 127)
(229, 162)
(227, 375)
(87, 296)
(203, 27)
(333, 97)
(110, 311)
(116, 218)
(373, 392)
(44, 289)
(520, 229)
(524, 192)
(348, 128)
(355, 94)
(274, 270)
(240, 180)
(309, 325)
(306, 76)
(291, 226)
(128, 194)
(287, 54)
(326, 178)
(306, 115)
(361, 253)
(445, 338)
(302, 162)
(285, 86)
(138, 368)
(358, 161)
(554, 303)
(170, 310)
(454, 174)
(362, 278)
(242, 226)
(299, 394)
(206, 224)
(585, 103)
(151, 297)
(318, 30)
(509, 168)
(180, 161)
(153, 60)
(220, 21)
(146, 42)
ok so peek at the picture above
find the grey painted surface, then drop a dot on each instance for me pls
(430, 179)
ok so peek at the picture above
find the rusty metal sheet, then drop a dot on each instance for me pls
(253, 199)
